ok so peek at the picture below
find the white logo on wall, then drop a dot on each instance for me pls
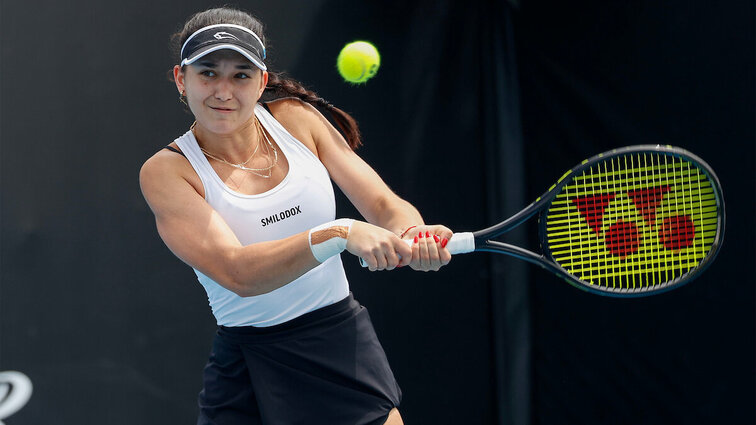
(15, 391)
(221, 35)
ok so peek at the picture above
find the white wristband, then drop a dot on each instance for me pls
(330, 238)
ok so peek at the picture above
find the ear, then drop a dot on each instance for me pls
(263, 83)
(178, 78)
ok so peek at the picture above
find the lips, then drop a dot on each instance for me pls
(221, 109)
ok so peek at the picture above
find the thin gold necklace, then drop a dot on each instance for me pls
(264, 172)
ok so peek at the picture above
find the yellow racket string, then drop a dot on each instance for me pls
(633, 221)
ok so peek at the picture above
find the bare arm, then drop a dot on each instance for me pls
(381, 206)
(200, 237)
(363, 186)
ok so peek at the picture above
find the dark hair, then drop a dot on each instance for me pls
(279, 86)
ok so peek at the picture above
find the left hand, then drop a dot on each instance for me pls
(427, 250)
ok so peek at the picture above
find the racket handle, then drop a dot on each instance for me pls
(460, 243)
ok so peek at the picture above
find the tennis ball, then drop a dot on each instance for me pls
(358, 62)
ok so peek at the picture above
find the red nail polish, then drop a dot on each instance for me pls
(427, 234)
(420, 235)
(435, 238)
(416, 239)
(444, 242)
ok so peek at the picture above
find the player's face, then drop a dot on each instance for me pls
(222, 90)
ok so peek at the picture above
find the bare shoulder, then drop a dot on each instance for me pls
(299, 118)
(292, 108)
(166, 170)
(163, 162)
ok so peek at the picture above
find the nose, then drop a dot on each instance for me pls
(223, 90)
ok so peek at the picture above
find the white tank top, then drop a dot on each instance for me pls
(303, 200)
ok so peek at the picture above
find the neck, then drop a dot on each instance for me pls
(235, 146)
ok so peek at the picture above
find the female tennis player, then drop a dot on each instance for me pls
(245, 198)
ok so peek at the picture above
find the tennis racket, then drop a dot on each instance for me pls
(631, 222)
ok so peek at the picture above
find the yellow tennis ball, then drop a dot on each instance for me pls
(358, 61)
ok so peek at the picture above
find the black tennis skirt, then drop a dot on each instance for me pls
(324, 367)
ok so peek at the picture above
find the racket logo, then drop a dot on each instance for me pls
(623, 238)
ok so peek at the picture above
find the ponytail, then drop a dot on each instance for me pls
(280, 86)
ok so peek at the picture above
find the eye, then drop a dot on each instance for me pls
(208, 73)
(242, 76)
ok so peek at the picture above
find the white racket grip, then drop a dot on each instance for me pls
(460, 243)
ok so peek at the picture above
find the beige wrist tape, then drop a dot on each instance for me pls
(330, 238)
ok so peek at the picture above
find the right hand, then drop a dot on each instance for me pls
(428, 254)
(380, 248)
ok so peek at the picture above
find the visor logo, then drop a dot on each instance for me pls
(225, 35)
(15, 391)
